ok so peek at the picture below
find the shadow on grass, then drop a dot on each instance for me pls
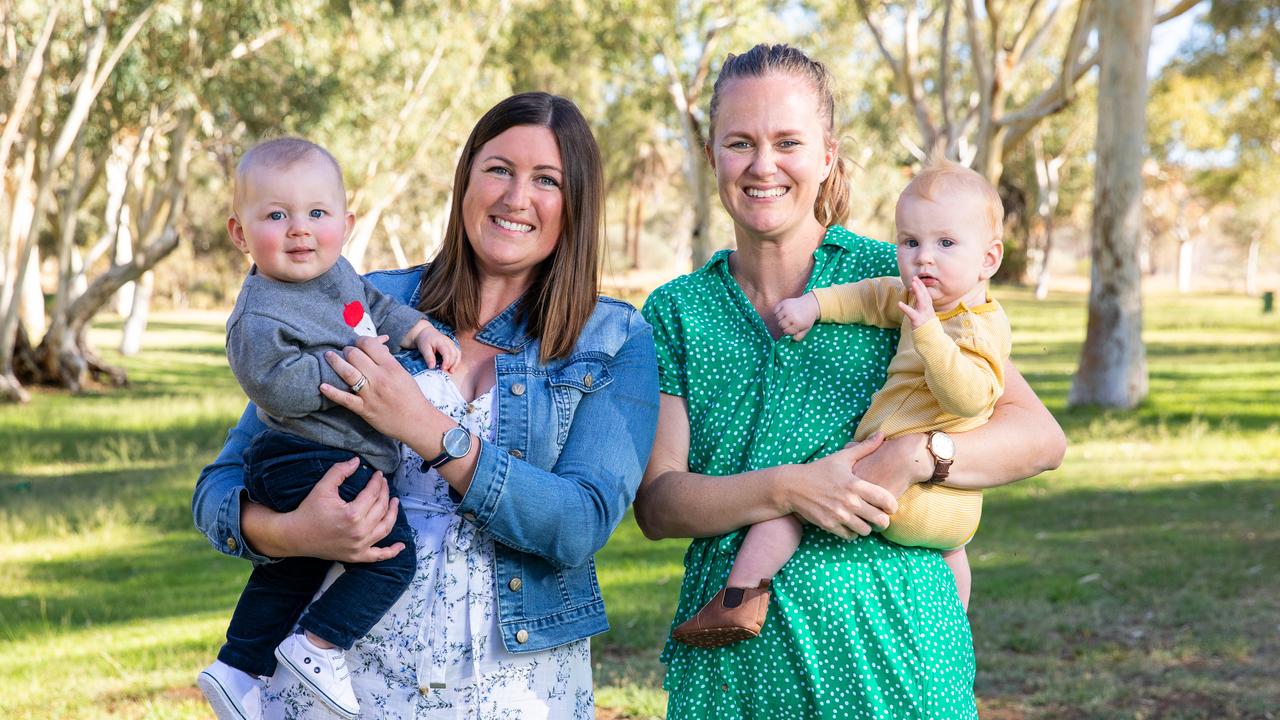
(1072, 590)
(155, 498)
(171, 576)
(183, 438)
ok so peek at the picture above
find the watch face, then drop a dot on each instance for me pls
(942, 446)
(457, 442)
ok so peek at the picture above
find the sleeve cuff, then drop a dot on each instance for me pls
(826, 307)
(230, 541)
(487, 482)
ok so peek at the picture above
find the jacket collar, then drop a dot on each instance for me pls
(509, 330)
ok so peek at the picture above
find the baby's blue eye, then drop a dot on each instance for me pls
(910, 242)
(317, 213)
(276, 215)
(947, 242)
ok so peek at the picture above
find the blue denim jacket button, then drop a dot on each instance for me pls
(514, 584)
(522, 636)
(231, 544)
(517, 389)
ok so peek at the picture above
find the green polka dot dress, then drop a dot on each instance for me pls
(856, 629)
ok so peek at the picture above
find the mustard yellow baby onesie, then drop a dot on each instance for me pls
(946, 375)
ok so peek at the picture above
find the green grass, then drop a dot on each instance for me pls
(1140, 580)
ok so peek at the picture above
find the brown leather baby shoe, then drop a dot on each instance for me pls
(733, 614)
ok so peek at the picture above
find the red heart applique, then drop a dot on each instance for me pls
(352, 312)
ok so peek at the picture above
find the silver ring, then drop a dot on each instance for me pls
(360, 384)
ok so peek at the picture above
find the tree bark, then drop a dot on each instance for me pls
(1113, 362)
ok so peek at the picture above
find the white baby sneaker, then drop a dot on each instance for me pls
(233, 694)
(323, 672)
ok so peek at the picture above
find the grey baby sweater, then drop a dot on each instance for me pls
(277, 336)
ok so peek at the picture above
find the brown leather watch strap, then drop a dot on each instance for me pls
(941, 468)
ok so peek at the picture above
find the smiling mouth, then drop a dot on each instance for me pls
(511, 226)
(764, 194)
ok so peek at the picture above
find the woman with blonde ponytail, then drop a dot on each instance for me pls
(754, 426)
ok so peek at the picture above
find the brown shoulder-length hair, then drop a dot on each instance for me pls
(566, 285)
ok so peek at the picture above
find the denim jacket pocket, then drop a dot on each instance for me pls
(584, 373)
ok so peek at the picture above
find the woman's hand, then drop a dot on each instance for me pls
(390, 400)
(897, 464)
(325, 525)
(835, 499)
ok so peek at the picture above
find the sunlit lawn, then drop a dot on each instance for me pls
(1138, 581)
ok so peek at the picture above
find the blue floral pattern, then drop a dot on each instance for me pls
(437, 653)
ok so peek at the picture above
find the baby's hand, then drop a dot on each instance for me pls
(797, 315)
(920, 311)
(432, 343)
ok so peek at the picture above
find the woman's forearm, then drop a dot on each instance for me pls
(679, 503)
(266, 531)
(1021, 440)
(673, 502)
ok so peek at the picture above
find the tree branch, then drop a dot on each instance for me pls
(904, 70)
(26, 88)
(944, 72)
(704, 61)
(1060, 94)
(126, 40)
(1179, 8)
(1020, 37)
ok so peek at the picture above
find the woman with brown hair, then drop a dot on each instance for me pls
(754, 426)
(517, 465)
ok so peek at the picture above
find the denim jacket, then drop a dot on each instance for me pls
(572, 438)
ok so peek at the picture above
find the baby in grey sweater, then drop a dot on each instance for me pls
(301, 300)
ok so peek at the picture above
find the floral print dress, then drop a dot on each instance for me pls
(437, 654)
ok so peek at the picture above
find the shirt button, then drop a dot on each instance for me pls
(515, 584)
(588, 380)
(515, 454)
(231, 544)
(469, 517)
(517, 389)
(522, 636)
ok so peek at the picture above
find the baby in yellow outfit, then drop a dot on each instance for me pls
(946, 376)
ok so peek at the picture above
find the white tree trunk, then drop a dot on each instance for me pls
(31, 310)
(1251, 264)
(79, 283)
(136, 324)
(1113, 361)
(1186, 254)
(124, 255)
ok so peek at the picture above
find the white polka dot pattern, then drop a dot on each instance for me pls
(857, 629)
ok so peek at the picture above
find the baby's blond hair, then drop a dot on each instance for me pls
(941, 175)
(280, 153)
